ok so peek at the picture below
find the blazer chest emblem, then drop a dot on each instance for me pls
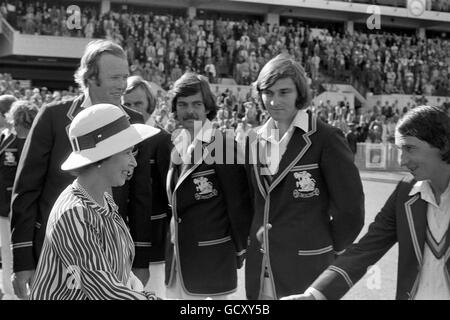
(305, 185)
(10, 158)
(205, 188)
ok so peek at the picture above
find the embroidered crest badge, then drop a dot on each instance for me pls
(10, 159)
(205, 188)
(305, 185)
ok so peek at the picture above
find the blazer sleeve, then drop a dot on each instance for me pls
(140, 206)
(344, 189)
(234, 183)
(351, 266)
(29, 181)
(163, 160)
(163, 151)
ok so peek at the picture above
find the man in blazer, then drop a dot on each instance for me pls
(139, 97)
(102, 76)
(308, 197)
(209, 196)
(416, 215)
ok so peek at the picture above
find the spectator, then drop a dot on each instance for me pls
(20, 116)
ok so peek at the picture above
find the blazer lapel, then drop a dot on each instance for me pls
(296, 148)
(74, 109)
(416, 214)
(257, 166)
(171, 179)
(6, 143)
(190, 166)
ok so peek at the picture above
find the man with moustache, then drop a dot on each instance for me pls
(308, 197)
(416, 216)
(209, 196)
(139, 97)
(102, 77)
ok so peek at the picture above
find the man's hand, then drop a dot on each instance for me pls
(143, 274)
(134, 283)
(304, 296)
(22, 282)
(260, 233)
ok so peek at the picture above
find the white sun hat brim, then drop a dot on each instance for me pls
(119, 142)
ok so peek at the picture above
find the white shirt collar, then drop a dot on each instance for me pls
(301, 120)
(426, 193)
(185, 147)
(206, 133)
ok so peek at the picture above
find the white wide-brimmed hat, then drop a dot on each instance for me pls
(101, 131)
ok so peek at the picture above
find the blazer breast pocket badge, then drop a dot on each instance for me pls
(305, 185)
(10, 159)
(205, 188)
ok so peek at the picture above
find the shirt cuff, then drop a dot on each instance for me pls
(315, 293)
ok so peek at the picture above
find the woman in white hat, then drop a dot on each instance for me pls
(88, 251)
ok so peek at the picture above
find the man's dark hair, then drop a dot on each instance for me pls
(191, 83)
(429, 124)
(281, 67)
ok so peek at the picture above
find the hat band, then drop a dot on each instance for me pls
(91, 139)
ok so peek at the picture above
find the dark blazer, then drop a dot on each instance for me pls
(40, 180)
(10, 150)
(403, 219)
(160, 147)
(212, 211)
(315, 204)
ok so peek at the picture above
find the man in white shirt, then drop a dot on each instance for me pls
(308, 197)
(209, 196)
(416, 215)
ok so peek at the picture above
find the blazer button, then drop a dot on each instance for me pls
(179, 220)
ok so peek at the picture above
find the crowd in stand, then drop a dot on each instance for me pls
(161, 48)
(38, 96)
(241, 113)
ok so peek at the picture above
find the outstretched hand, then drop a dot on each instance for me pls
(303, 296)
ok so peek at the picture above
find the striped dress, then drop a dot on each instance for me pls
(87, 253)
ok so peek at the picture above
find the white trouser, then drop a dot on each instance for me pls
(156, 281)
(5, 234)
(176, 291)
